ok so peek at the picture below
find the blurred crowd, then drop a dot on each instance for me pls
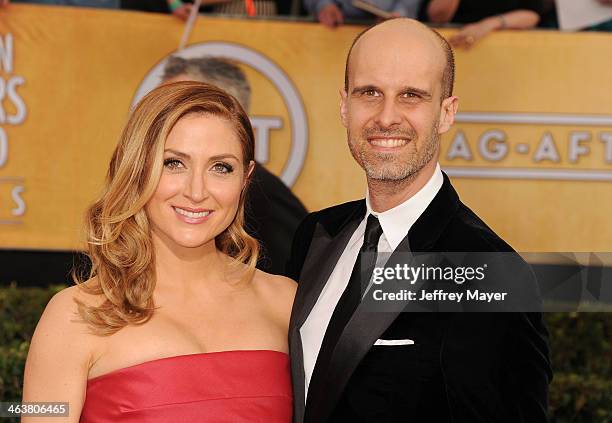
(476, 18)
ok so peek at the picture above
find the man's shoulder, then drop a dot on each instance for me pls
(337, 213)
(331, 218)
(449, 225)
(468, 232)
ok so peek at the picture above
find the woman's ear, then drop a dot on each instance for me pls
(249, 172)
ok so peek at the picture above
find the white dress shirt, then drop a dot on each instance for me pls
(395, 224)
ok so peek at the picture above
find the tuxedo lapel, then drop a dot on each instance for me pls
(360, 333)
(325, 251)
(328, 243)
(364, 328)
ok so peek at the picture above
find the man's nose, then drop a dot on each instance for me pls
(389, 114)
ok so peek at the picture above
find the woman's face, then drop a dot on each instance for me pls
(199, 190)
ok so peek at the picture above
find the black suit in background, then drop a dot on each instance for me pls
(155, 6)
(272, 215)
(463, 368)
(470, 11)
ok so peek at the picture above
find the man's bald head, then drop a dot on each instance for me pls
(409, 27)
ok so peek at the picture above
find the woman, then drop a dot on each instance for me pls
(481, 16)
(175, 323)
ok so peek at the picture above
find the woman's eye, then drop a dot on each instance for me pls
(223, 168)
(173, 164)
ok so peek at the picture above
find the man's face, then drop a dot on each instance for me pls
(392, 108)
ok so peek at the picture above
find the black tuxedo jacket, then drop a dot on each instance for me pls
(464, 367)
(272, 215)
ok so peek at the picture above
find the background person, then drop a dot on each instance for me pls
(332, 13)
(181, 9)
(104, 4)
(481, 16)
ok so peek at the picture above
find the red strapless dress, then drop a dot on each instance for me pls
(227, 386)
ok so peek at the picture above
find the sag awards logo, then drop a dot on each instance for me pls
(563, 147)
(262, 125)
(12, 113)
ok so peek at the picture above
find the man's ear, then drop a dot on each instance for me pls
(343, 108)
(447, 114)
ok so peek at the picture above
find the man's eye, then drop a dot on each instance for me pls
(173, 164)
(223, 168)
(370, 93)
(410, 95)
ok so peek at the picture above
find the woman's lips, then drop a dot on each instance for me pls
(189, 215)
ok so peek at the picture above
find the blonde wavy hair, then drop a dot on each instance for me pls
(119, 239)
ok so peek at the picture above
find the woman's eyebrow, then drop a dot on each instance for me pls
(176, 152)
(224, 156)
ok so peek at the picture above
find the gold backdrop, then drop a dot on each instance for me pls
(531, 152)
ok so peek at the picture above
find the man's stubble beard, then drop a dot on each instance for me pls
(391, 170)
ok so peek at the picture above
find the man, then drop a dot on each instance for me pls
(272, 211)
(332, 13)
(349, 364)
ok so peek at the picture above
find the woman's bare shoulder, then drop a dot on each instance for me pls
(62, 306)
(61, 351)
(278, 292)
(61, 316)
(66, 301)
(276, 284)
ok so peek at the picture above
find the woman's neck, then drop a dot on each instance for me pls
(187, 268)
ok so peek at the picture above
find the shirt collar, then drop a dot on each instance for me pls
(396, 222)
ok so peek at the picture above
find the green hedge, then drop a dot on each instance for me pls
(581, 350)
(581, 347)
(20, 309)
